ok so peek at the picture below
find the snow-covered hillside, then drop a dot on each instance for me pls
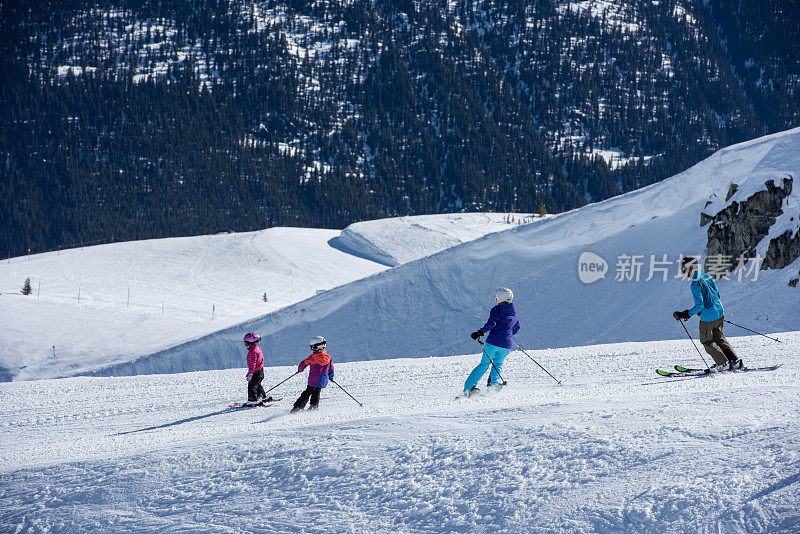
(225, 275)
(404, 239)
(615, 449)
(140, 297)
(428, 307)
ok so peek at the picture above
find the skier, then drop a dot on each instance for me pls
(255, 370)
(712, 316)
(320, 371)
(503, 323)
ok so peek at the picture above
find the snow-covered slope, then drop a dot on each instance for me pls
(614, 451)
(175, 286)
(137, 298)
(428, 307)
(403, 239)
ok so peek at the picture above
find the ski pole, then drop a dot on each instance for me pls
(537, 363)
(281, 382)
(348, 394)
(496, 370)
(693, 343)
(753, 331)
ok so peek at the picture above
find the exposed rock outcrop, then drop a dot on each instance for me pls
(782, 251)
(736, 231)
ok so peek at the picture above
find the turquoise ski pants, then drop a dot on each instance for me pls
(497, 355)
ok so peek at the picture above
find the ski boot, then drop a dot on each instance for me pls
(496, 386)
(718, 367)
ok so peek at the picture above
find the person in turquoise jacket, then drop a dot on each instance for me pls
(708, 306)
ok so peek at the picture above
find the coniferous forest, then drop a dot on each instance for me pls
(152, 118)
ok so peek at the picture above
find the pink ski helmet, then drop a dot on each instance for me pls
(250, 337)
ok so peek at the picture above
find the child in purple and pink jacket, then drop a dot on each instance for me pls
(320, 371)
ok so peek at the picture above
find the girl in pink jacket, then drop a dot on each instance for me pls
(255, 369)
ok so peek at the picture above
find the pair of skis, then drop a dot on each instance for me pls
(477, 392)
(687, 371)
(265, 403)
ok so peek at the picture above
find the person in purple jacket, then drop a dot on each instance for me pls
(320, 371)
(503, 323)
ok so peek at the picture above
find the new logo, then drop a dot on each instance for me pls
(591, 267)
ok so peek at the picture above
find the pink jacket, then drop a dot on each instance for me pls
(255, 359)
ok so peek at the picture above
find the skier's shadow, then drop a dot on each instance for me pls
(167, 425)
(271, 418)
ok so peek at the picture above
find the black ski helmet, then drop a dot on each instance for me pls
(687, 262)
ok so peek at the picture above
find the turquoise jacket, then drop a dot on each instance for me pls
(706, 298)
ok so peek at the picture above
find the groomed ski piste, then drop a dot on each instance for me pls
(614, 449)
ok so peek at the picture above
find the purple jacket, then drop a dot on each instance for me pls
(320, 369)
(503, 323)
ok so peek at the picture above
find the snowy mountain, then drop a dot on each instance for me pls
(428, 307)
(95, 306)
(616, 451)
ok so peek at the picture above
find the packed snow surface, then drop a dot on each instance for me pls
(98, 306)
(614, 449)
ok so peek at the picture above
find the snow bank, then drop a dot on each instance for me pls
(400, 240)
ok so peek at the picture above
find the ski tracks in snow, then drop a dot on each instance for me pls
(601, 454)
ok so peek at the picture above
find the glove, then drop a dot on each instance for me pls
(249, 376)
(476, 335)
(681, 315)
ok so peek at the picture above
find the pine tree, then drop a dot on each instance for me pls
(26, 289)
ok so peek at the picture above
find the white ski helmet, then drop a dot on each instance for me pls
(317, 343)
(503, 294)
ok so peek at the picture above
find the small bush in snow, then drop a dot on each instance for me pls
(26, 289)
(542, 209)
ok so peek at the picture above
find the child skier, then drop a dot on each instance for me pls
(320, 371)
(255, 370)
(503, 323)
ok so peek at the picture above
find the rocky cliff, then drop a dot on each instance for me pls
(761, 224)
